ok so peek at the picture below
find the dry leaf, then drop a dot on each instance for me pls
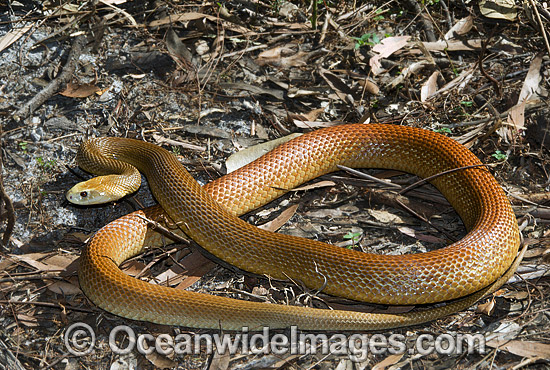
(220, 361)
(160, 361)
(429, 87)
(191, 16)
(385, 216)
(197, 265)
(516, 116)
(531, 84)
(135, 268)
(179, 51)
(498, 9)
(63, 261)
(452, 45)
(281, 56)
(315, 124)
(519, 296)
(413, 68)
(170, 277)
(486, 308)
(311, 116)
(327, 213)
(529, 272)
(6, 263)
(369, 86)
(254, 89)
(12, 36)
(387, 47)
(245, 156)
(505, 331)
(29, 321)
(388, 361)
(64, 288)
(127, 15)
(297, 60)
(458, 81)
(340, 87)
(74, 90)
(419, 236)
(320, 184)
(280, 220)
(522, 348)
(32, 260)
(461, 27)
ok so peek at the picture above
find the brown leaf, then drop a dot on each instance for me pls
(12, 36)
(516, 116)
(388, 361)
(462, 27)
(191, 16)
(531, 84)
(385, 217)
(486, 308)
(32, 260)
(63, 261)
(310, 116)
(387, 47)
(419, 236)
(74, 90)
(521, 295)
(314, 124)
(64, 288)
(160, 361)
(197, 265)
(6, 263)
(498, 9)
(135, 268)
(220, 361)
(320, 184)
(429, 87)
(180, 53)
(245, 156)
(522, 348)
(273, 56)
(29, 321)
(280, 220)
(340, 87)
(369, 86)
(452, 45)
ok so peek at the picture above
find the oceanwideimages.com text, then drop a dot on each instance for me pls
(80, 339)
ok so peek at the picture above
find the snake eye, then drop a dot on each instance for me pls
(83, 194)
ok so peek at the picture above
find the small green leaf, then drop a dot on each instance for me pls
(499, 156)
(352, 236)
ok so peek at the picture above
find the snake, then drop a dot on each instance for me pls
(457, 275)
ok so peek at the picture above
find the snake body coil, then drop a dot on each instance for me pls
(464, 270)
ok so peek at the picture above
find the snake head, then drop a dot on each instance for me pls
(98, 190)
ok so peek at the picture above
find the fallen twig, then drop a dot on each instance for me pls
(56, 84)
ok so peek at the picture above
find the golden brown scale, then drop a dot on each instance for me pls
(208, 215)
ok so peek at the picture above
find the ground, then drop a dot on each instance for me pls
(206, 80)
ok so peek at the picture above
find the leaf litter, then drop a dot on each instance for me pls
(206, 80)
